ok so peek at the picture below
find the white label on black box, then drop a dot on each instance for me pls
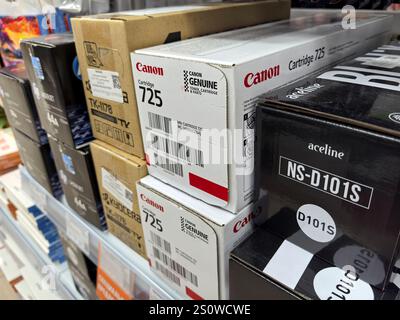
(316, 223)
(181, 247)
(105, 85)
(117, 189)
(338, 284)
(324, 181)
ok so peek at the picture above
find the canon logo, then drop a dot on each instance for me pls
(252, 79)
(152, 202)
(244, 222)
(149, 69)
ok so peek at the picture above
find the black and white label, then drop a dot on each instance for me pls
(329, 183)
(316, 223)
(341, 284)
(105, 85)
(117, 189)
(178, 150)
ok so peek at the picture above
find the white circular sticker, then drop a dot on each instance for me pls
(365, 262)
(316, 223)
(337, 284)
(395, 117)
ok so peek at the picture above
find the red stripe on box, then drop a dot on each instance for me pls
(208, 186)
(147, 159)
(193, 295)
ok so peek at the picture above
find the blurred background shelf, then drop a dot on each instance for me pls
(64, 286)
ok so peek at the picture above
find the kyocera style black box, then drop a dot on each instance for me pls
(16, 94)
(329, 150)
(39, 162)
(53, 70)
(268, 267)
(78, 179)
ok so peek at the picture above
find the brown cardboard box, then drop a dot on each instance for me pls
(117, 173)
(104, 43)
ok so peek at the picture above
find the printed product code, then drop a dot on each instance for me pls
(178, 150)
(168, 165)
(159, 122)
(332, 184)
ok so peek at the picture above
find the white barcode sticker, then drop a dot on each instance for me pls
(117, 189)
(79, 235)
(386, 61)
(105, 84)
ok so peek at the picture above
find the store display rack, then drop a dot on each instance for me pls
(38, 259)
(88, 239)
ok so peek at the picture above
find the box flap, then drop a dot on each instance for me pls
(16, 72)
(124, 156)
(359, 93)
(51, 40)
(243, 45)
(162, 11)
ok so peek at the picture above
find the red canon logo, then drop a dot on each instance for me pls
(252, 79)
(149, 69)
(246, 220)
(152, 202)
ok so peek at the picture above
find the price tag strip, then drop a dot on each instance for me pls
(114, 281)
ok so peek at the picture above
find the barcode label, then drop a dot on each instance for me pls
(168, 273)
(116, 83)
(178, 150)
(175, 266)
(159, 122)
(160, 242)
(168, 165)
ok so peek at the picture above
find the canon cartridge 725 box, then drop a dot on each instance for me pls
(329, 150)
(197, 97)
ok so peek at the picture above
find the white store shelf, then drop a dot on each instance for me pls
(147, 284)
(37, 258)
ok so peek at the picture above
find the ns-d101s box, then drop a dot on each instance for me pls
(53, 70)
(197, 97)
(16, 94)
(78, 179)
(329, 150)
(269, 267)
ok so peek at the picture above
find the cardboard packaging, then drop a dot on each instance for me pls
(197, 98)
(267, 267)
(53, 71)
(117, 173)
(83, 270)
(39, 162)
(188, 241)
(16, 94)
(329, 151)
(105, 41)
(78, 179)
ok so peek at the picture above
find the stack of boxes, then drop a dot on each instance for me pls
(57, 89)
(328, 155)
(196, 102)
(193, 102)
(104, 44)
(31, 138)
